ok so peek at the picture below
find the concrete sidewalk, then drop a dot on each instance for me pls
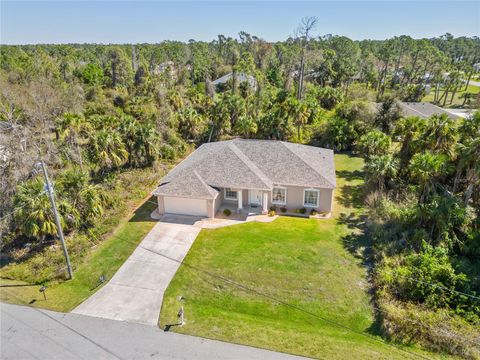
(135, 292)
(29, 333)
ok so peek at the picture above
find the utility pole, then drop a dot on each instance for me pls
(57, 219)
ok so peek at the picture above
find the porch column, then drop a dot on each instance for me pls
(265, 202)
(240, 200)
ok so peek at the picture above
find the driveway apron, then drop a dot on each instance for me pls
(135, 292)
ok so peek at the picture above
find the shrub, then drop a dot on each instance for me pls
(227, 212)
(271, 213)
(273, 208)
(302, 210)
(167, 152)
(283, 209)
(313, 212)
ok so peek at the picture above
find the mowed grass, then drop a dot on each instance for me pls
(457, 99)
(302, 291)
(105, 260)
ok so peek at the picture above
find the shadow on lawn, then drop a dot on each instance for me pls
(142, 213)
(358, 241)
(351, 195)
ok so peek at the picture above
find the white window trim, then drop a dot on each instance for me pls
(227, 197)
(280, 202)
(318, 198)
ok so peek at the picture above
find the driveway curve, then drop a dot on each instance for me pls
(135, 292)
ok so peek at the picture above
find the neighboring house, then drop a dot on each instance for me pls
(423, 110)
(167, 67)
(241, 77)
(249, 176)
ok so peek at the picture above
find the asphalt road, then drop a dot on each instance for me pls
(30, 333)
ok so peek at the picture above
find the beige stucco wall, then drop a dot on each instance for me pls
(244, 198)
(161, 206)
(326, 200)
(210, 209)
(295, 198)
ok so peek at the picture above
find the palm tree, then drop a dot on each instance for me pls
(246, 126)
(149, 141)
(440, 134)
(379, 168)
(469, 164)
(427, 168)
(35, 216)
(409, 130)
(88, 199)
(71, 127)
(106, 149)
(129, 129)
(374, 143)
(292, 111)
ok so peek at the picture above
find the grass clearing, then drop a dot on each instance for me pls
(457, 100)
(310, 264)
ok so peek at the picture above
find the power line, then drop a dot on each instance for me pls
(66, 326)
(13, 212)
(414, 279)
(438, 286)
(446, 332)
(293, 306)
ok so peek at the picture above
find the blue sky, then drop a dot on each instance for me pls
(25, 22)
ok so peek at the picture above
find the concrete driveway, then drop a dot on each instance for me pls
(135, 292)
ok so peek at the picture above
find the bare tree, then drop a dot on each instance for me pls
(304, 34)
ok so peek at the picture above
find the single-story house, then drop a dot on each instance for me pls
(249, 176)
(240, 78)
(423, 110)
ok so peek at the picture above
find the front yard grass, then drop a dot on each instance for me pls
(309, 264)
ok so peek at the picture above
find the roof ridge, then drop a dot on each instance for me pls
(208, 187)
(287, 145)
(250, 164)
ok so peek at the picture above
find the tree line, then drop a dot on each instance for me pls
(93, 111)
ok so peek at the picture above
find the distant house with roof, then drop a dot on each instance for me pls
(424, 110)
(221, 82)
(249, 176)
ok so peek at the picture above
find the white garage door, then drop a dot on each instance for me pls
(197, 207)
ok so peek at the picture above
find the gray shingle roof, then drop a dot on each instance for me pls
(423, 110)
(188, 186)
(241, 77)
(249, 164)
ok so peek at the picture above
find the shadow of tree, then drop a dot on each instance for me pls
(356, 241)
(350, 175)
(351, 196)
(142, 213)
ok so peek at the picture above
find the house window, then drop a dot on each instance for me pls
(230, 194)
(310, 197)
(279, 195)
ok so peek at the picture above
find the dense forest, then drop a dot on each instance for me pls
(93, 112)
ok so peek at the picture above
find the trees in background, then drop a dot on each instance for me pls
(93, 111)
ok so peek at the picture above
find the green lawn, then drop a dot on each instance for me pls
(457, 100)
(310, 264)
(105, 259)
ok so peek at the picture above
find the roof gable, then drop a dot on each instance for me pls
(249, 164)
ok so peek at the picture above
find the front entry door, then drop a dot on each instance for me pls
(255, 197)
